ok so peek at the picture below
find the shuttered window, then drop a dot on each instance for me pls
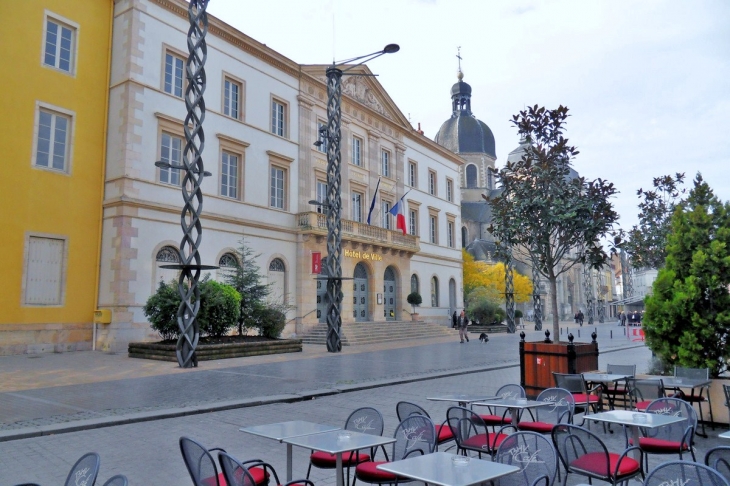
(44, 271)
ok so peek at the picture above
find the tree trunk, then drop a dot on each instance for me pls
(554, 307)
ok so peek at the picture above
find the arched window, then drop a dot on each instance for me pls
(414, 283)
(277, 279)
(471, 176)
(464, 236)
(167, 255)
(434, 292)
(228, 260)
(490, 178)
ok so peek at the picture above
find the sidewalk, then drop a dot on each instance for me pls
(55, 393)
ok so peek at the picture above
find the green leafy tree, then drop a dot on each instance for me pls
(647, 241)
(687, 319)
(558, 219)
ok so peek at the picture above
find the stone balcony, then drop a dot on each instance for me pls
(355, 235)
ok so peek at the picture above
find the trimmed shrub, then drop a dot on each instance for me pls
(220, 308)
(272, 322)
(161, 310)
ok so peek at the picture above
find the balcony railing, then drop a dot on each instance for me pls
(312, 222)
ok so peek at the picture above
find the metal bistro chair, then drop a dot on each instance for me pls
(697, 374)
(684, 472)
(492, 417)
(414, 435)
(545, 418)
(366, 420)
(585, 399)
(644, 391)
(583, 452)
(471, 432)
(118, 480)
(676, 438)
(236, 474)
(726, 389)
(619, 390)
(203, 469)
(719, 460)
(443, 432)
(84, 472)
(533, 453)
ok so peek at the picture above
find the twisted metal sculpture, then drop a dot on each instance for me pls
(601, 302)
(588, 290)
(334, 206)
(509, 291)
(190, 265)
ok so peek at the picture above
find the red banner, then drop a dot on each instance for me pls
(316, 262)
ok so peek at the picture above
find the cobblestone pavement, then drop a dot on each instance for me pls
(96, 389)
(148, 452)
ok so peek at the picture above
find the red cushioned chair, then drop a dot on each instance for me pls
(545, 418)
(471, 434)
(699, 399)
(236, 474)
(443, 431)
(619, 390)
(493, 418)
(583, 453)
(366, 420)
(203, 470)
(676, 438)
(415, 435)
(585, 398)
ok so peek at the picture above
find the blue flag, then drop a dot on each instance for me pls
(372, 204)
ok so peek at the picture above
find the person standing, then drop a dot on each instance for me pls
(622, 318)
(463, 322)
(454, 320)
(580, 318)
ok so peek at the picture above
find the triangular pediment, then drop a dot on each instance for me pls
(360, 87)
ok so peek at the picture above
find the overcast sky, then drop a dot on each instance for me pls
(647, 82)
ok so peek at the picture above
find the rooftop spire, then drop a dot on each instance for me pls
(460, 75)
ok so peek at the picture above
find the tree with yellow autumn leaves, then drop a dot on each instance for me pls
(490, 277)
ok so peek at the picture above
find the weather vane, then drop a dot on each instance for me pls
(458, 55)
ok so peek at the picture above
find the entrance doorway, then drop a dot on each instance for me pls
(452, 296)
(389, 294)
(360, 293)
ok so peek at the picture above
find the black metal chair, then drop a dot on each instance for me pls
(583, 452)
(619, 390)
(492, 418)
(84, 472)
(443, 431)
(718, 459)
(118, 480)
(416, 434)
(366, 420)
(533, 453)
(471, 432)
(684, 472)
(203, 469)
(644, 391)
(545, 418)
(236, 473)
(585, 399)
(676, 438)
(697, 374)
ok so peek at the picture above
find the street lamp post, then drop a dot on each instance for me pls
(333, 205)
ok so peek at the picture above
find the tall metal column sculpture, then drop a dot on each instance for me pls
(588, 289)
(601, 302)
(333, 297)
(193, 173)
(536, 297)
(627, 276)
(509, 291)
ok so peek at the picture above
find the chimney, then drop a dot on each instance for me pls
(419, 128)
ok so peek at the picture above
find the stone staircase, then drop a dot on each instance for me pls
(355, 333)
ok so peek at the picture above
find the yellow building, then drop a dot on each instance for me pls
(54, 102)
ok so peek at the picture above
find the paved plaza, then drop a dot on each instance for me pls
(314, 386)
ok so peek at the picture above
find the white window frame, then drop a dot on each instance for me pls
(449, 190)
(170, 173)
(357, 206)
(173, 86)
(230, 187)
(450, 234)
(320, 189)
(357, 151)
(56, 113)
(279, 117)
(232, 108)
(385, 163)
(385, 207)
(322, 136)
(62, 23)
(277, 185)
(433, 229)
(29, 273)
(413, 222)
(432, 186)
(412, 174)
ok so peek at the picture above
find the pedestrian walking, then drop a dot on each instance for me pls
(463, 323)
(580, 318)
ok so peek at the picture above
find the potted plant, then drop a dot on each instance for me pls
(414, 298)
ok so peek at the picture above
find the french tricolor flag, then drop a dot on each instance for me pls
(398, 212)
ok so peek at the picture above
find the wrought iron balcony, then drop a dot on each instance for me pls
(353, 232)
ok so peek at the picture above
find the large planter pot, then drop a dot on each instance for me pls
(538, 361)
(415, 317)
(206, 352)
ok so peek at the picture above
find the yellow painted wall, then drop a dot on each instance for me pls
(35, 200)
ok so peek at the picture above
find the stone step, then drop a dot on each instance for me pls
(354, 333)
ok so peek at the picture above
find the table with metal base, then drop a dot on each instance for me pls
(514, 406)
(606, 379)
(677, 382)
(462, 399)
(285, 430)
(439, 468)
(337, 442)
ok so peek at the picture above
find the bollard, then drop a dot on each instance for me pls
(611, 333)
(561, 331)
(578, 332)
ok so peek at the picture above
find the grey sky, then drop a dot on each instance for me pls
(647, 82)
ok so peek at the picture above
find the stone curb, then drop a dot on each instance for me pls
(62, 428)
